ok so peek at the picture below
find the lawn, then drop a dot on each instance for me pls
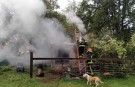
(13, 79)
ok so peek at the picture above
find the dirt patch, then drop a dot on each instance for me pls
(49, 78)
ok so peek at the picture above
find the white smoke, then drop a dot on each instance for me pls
(23, 27)
(73, 18)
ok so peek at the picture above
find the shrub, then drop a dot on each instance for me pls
(108, 48)
(5, 68)
(115, 47)
(131, 47)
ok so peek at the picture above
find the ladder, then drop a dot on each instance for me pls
(81, 63)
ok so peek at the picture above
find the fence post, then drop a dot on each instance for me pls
(31, 64)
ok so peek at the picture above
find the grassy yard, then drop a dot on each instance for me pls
(13, 79)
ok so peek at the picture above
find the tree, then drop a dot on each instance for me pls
(51, 4)
(72, 6)
(62, 19)
(113, 16)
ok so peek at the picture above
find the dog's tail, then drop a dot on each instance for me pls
(101, 81)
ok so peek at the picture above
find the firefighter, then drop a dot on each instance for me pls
(89, 55)
(89, 60)
(82, 46)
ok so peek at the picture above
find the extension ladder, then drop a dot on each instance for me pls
(81, 63)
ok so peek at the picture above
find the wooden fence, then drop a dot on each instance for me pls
(113, 65)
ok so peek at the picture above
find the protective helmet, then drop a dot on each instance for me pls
(90, 49)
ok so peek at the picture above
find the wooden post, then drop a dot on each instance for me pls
(31, 64)
(62, 62)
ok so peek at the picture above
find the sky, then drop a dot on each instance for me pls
(63, 3)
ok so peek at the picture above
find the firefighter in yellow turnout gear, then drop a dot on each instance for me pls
(89, 62)
(82, 46)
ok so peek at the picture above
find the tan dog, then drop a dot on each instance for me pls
(94, 79)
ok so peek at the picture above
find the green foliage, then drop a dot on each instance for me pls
(95, 44)
(112, 15)
(72, 6)
(5, 68)
(4, 62)
(115, 48)
(51, 4)
(108, 47)
(131, 47)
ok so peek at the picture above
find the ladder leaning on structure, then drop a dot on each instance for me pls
(81, 63)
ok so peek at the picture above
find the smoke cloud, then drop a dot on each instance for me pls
(23, 27)
(73, 18)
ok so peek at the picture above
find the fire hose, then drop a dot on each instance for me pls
(57, 84)
(91, 70)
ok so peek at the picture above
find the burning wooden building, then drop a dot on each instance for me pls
(66, 50)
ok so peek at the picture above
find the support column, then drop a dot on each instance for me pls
(31, 64)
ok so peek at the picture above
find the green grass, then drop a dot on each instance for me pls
(109, 82)
(13, 79)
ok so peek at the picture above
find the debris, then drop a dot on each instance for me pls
(20, 67)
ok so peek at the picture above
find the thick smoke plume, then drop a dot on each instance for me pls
(23, 27)
(73, 18)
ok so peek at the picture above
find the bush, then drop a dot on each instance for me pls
(5, 68)
(108, 48)
(131, 47)
(115, 48)
(4, 62)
